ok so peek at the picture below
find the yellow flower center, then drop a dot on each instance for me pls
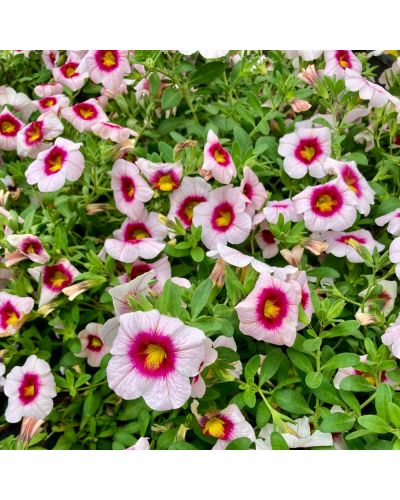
(369, 378)
(139, 234)
(219, 157)
(70, 72)
(165, 183)
(155, 356)
(30, 249)
(8, 127)
(325, 203)
(350, 183)
(224, 218)
(58, 278)
(86, 113)
(34, 133)
(189, 209)
(109, 59)
(12, 319)
(271, 309)
(214, 427)
(95, 342)
(342, 61)
(307, 153)
(29, 391)
(55, 163)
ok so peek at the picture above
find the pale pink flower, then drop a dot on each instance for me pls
(388, 295)
(95, 343)
(140, 237)
(217, 160)
(266, 241)
(107, 67)
(306, 55)
(198, 386)
(328, 206)
(30, 247)
(52, 103)
(13, 309)
(375, 94)
(113, 132)
(223, 217)
(305, 151)
(70, 75)
(207, 54)
(142, 444)
(10, 125)
(162, 176)
(270, 311)
(129, 188)
(253, 190)
(30, 389)
(394, 254)
(84, 115)
(153, 356)
(393, 218)
(337, 61)
(391, 338)
(274, 208)
(48, 89)
(53, 279)
(191, 192)
(355, 181)
(19, 101)
(299, 105)
(50, 58)
(31, 139)
(136, 288)
(161, 268)
(55, 166)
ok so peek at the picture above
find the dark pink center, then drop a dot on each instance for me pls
(343, 58)
(220, 155)
(9, 126)
(185, 210)
(267, 237)
(348, 237)
(272, 307)
(308, 150)
(351, 180)
(54, 160)
(153, 354)
(9, 315)
(94, 343)
(135, 232)
(31, 246)
(107, 60)
(69, 69)
(326, 201)
(138, 269)
(29, 388)
(57, 277)
(86, 111)
(127, 188)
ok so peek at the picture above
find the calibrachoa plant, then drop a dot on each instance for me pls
(199, 250)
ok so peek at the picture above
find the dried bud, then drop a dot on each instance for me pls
(181, 434)
(309, 75)
(217, 275)
(299, 106)
(123, 148)
(46, 309)
(74, 290)
(3, 197)
(206, 174)
(29, 427)
(185, 144)
(293, 256)
(365, 318)
(316, 247)
(166, 222)
(95, 208)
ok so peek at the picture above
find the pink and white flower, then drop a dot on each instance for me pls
(161, 268)
(136, 288)
(30, 390)
(266, 241)
(10, 125)
(375, 94)
(343, 244)
(107, 67)
(95, 343)
(270, 311)
(129, 188)
(19, 101)
(207, 54)
(192, 191)
(355, 181)
(13, 310)
(393, 218)
(138, 237)
(52, 103)
(48, 89)
(53, 279)
(342, 373)
(391, 338)
(223, 217)
(113, 131)
(55, 166)
(394, 255)
(307, 55)
(70, 75)
(224, 425)
(153, 356)
(388, 296)
(305, 151)
(274, 208)
(142, 444)
(50, 58)
(327, 206)
(253, 190)
(217, 160)
(337, 61)
(162, 176)
(29, 247)
(84, 115)
(31, 139)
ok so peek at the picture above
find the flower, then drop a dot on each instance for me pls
(53, 278)
(153, 356)
(30, 139)
(138, 237)
(342, 373)
(299, 105)
(355, 181)
(113, 132)
(301, 278)
(327, 206)
(30, 389)
(52, 103)
(393, 218)
(13, 310)
(305, 151)
(375, 94)
(70, 75)
(50, 58)
(253, 190)
(95, 344)
(217, 160)
(48, 89)
(192, 191)
(136, 288)
(161, 268)
(342, 244)
(224, 425)
(297, 435)
(129, 188)
(10, 125)
(29, 427)
(394, 255)
(307, 55)
(142, 444)
(107, 67)
(337, 61)
(30, 247)
(309, 75)
(293, 256)
(270, 311)
(391, 338)
(84, 115)
(162, 176)
(285, 207)
(207, 54)
(223, 217)
(384, 301)
(19, 101)
(53, 167)
(266, 241)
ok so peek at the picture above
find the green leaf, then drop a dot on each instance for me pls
(323, 272)
(291, 401)
(278, 442)
(355, 383)
(374, 424)
(197, 254)
(300, 360)
(171, 97)
(270, 365)
(207, 73)
(200, 297)
(234, 287)
(169, 302)
(343, 360)
(314, 380)
(242, 443)
(383, 397)
(337, 422)
(263, 414)
(388, 205)
(394, 414)
(242, 138)
(343, 329)
(251, 368)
